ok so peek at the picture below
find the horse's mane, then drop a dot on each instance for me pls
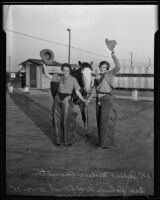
(77, 74)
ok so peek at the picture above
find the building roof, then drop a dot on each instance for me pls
(39, 62)
(22, 71)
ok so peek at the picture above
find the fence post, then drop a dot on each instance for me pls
(26, 89)
(10, 88)
(135, 95)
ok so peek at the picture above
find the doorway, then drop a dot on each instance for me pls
(33, 76)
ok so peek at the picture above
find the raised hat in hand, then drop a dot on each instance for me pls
(110, 44)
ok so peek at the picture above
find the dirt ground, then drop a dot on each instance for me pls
(36, 167)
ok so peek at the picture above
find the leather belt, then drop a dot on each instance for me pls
(62, 96)
(104, 92)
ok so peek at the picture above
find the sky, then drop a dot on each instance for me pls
(132, 26)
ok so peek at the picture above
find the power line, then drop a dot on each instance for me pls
(57, 43)
(64, 45)
(24, 34)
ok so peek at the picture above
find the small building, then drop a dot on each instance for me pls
(34, 74)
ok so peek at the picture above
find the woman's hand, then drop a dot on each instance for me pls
(84, 101)
(88, 101)
(80, 96)
(113, 54)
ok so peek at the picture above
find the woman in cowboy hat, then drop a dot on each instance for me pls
(62, 111)
(106, 114)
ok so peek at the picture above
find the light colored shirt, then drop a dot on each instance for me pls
(106, 82)
(66, 85)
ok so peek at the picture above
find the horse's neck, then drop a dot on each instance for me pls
(84, 80)
(87, 77)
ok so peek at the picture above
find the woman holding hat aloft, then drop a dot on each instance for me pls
(106, 114)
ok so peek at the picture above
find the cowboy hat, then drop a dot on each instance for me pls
(47, 56)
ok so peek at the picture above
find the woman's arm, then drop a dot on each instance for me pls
(46, 72)
(116, 62)
(80, 96)
(76, 89)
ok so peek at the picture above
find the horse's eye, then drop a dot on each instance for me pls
(82, 70)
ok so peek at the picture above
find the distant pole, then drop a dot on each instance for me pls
(131, 58)
(123, 63)
(149, 59)
(69, 48)
(9, 60)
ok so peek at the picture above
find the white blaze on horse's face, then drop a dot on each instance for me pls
(87, 78)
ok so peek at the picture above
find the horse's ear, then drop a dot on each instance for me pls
(91, 63)
(79, 62)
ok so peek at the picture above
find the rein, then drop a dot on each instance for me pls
(78, 74)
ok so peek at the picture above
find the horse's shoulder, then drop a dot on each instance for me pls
(73, 77)
(75, 74)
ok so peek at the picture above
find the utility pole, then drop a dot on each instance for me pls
(131, 58)
(123, 63)
(69, 48)
(149, 59)
(9, 61)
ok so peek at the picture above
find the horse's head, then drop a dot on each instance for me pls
(86, 72)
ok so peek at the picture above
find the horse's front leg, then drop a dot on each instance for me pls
(84, 112)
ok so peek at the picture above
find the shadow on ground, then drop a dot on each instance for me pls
(36, 167)
(41, 116)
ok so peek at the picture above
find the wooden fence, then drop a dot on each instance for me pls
(135, 78)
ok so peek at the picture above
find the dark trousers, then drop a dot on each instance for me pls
(106, 119)
(64, 119)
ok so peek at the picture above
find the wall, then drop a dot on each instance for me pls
(28, 74)
(39, 77)
(45, 82)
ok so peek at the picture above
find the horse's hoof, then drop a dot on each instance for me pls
(87, 138)
(99, 148)
(87, 135)
(69, 144)
(57, 145)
